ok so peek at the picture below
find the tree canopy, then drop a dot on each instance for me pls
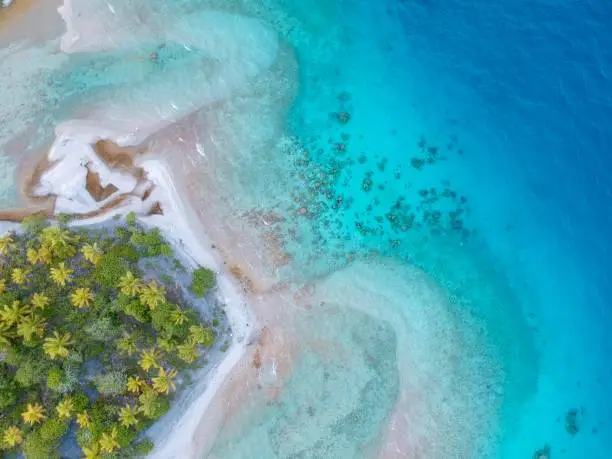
(93, 342)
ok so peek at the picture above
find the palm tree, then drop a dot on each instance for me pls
(135, 384)
(39, 301)
(81, 297)
(108, 441)
(58, 240)
(127, 344)
(166, 343)
(64, 408)
(52, 236)
(6, 243)
(57, 345)
(19, 276)
(147, 401)
(83, 420)
(201, 335)
(45, 255)
(93, 452)
(129, 284)
(5, 336)
(153, 294)
(178, 316)
(61, 274)
(11, 315)
(163, 383)
(32, 256)
(92, 253)
(34, 414)
(188, 352)
(31, 325)
(149, 359)
(127, 416)
(13, 436)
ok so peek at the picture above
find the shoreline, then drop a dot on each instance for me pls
(172, 435)
(240, 317)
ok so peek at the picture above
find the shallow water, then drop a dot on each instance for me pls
(455, 227)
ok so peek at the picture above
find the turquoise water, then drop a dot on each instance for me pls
(443, 190)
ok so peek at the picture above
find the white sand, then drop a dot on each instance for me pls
(72, 149)
(179, 228)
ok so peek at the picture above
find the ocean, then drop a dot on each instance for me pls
(441, 181)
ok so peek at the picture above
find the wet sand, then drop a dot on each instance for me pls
(12, 13)
(34, 21)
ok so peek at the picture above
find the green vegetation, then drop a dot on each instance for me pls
(202, 280)
(88, 347)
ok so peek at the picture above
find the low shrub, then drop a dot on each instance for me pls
(202, 280)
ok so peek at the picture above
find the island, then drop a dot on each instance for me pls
(101, 327)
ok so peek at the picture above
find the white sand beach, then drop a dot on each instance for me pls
(72, 151)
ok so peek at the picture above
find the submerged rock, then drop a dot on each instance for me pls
(342, 117)
(572, 425)
(543, 453)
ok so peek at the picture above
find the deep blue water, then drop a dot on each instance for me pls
(541, 71)
(535, 77)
